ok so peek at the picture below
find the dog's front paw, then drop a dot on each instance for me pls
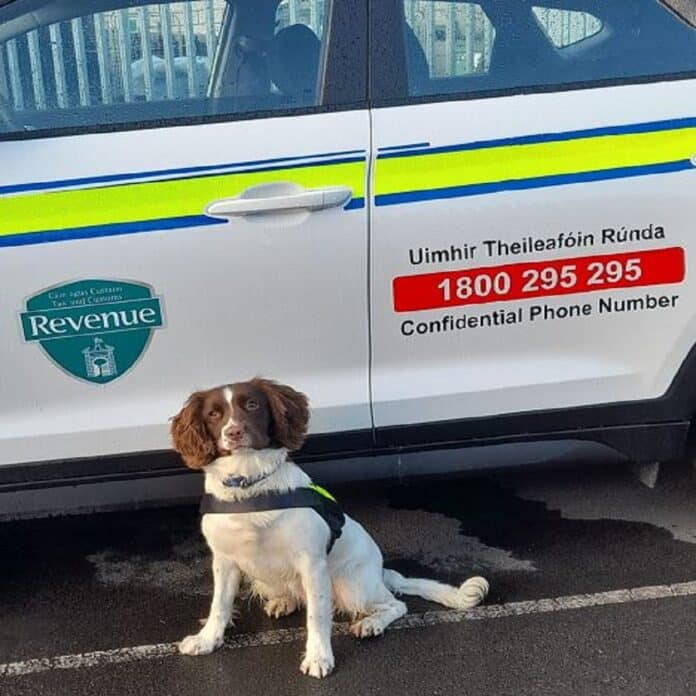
(280, 606)
(368, 627)
(318, 665)
(199, 644)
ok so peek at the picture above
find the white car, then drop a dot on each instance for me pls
(462, 228)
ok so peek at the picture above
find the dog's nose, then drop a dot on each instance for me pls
(233, 432)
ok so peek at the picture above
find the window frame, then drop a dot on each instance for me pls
(346, 45)
(388, 83)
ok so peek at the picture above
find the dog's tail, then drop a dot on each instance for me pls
(470, 593)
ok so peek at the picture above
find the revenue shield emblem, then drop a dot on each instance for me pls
(95, 330)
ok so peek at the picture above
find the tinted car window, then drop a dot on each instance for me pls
(69, 64)
(566, 27)
(459, 47)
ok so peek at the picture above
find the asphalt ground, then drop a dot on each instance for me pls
(94, 604)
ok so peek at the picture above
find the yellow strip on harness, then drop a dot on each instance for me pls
(321, 491)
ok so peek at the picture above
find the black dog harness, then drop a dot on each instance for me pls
(314, 497)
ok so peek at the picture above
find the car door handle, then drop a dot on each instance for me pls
(279, 198)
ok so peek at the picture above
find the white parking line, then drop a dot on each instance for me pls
(288, 635)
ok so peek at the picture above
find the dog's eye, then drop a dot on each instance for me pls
(213, 414)
(251, 405)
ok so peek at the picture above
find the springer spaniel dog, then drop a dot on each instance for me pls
(239, 435)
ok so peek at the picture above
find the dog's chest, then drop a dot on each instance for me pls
(251, 539)
(235, 534)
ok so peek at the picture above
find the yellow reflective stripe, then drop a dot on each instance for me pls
(526, 161)
(59, 210)
(322, 491)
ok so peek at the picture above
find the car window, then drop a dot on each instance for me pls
(153, 62)
(566, 27)
(453, 39)
(459, 47)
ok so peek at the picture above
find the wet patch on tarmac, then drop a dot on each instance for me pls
(104, 581)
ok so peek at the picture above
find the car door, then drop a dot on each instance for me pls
(182, 204)
(532, 215)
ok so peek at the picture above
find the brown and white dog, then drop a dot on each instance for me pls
(243, 432)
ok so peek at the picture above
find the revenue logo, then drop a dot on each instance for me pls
(95, 330)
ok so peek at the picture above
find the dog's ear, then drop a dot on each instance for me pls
(289, 413)
(190, 436)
